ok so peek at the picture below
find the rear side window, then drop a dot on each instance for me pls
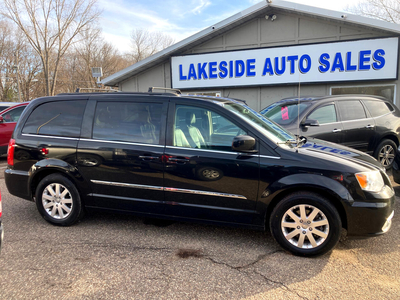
(351, 110)
(61, 118)
(13, 114)
(128, 121)
(377, 108)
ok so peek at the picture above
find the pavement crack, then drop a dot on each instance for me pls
(259, 258)
(281, 284)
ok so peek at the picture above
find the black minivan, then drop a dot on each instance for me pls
(193, 158)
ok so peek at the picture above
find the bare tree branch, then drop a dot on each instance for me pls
(51, 26)
(146, 43)
(385, 10)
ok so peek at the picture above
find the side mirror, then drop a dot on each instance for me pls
(244, 143)
(1, 119)
(310, 122)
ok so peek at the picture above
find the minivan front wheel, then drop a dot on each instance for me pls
(385, 153)
(58, 200)
(306, 224)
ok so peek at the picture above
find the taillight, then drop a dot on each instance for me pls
(10, 152)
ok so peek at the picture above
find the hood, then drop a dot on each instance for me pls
(335, 151)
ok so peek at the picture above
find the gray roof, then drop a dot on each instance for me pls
(239, 18)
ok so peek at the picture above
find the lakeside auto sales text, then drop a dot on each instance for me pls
(279, 65)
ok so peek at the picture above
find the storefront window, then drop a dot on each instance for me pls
(387, 91)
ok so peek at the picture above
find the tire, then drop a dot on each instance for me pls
(385, 153)
(58, 200)
(294, 232)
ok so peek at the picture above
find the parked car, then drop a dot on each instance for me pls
(1, 225)
(367, 123)
(8, 119)
(193, 158)
(4, 105)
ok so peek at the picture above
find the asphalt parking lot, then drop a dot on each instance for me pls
(108, 256)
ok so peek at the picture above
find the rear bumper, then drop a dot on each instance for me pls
(17, 183)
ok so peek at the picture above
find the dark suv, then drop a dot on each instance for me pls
(193, 158)
(367, 123)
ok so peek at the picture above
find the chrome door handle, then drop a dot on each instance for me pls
(144, 157)
(369, 126)
(178, 160)
(336, 130)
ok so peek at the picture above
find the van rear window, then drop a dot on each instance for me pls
(60, 118)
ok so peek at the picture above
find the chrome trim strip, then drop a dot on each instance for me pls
(126, 198)
(16, 172)
(167, 189)
(272, 157)
(209, 150)
(211, 207)
(175, 190)
(119, 142)
(50, 136)
(130, 185)
(362, 119)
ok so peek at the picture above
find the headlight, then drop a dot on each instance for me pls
(370, 181)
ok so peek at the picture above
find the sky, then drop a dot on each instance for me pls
(177, 18)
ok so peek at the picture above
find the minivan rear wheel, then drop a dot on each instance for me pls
(385, 153)
(58, 200)
(306, 224)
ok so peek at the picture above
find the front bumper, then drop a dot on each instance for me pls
(372, 216)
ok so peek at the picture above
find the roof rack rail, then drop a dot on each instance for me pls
(175, 91)
(78, 90)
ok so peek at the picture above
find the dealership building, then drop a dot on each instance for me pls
(276, 49)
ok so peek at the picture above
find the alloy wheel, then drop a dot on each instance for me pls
(305, 226)
(386, 155)
(57, 201)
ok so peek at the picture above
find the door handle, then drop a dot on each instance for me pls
(145, 157)
(336, 130)
(369, 126)
(176, 160)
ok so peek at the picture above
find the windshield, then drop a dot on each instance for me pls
(284, 113)
(271, 130)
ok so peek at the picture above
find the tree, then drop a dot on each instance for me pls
(91, 51)
(385, 10)
(146, 43)
(51, 26)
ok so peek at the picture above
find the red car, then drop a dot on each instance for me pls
(8, 119)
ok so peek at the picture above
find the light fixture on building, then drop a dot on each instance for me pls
(270, 17)
(97, 72)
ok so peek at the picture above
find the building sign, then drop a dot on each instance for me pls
(329, 62)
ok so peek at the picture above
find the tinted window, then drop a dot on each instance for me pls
(128, 121)
(13, 114)
(61, 118)
(325, 114)
(201, 128)
(284, 114)
(376, 108)
(351, 110)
